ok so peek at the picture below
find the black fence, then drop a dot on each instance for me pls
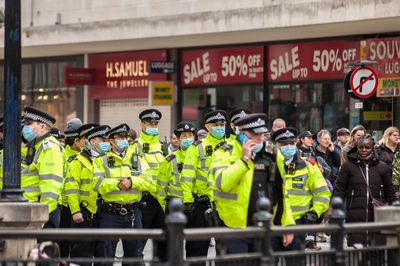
(175, 234)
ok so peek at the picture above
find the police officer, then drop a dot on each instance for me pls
(168, 183)
(234, 115)
(196, 186)
(82, 199)
(149, 146)
(304, 183)
(119, 177)
(42, 179)
(243, 172)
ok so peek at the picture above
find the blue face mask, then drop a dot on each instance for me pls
(218, 132)
(258, 147)
(237, 131)
(104, 147)
(288, 151)
(241, 137)
(151, 131)
(185, 143)
(89, 146)
(122, 145)
(27, 132)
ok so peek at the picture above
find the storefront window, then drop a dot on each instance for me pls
(310, 106)
(198, 101)
(43, 87)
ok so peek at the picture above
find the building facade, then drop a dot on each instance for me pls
(286, 58)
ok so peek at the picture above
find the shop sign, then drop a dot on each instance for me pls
(378, 116)
(222, 66)
(78, 76)
(310, 61)
(124, 75)
(386, 51)
(162, 92)
(162, 67)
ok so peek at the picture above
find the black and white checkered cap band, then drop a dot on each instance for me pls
(286, 134)
(239, 115)
(36, 117)
(255, 124)
(151, 115)
(118, 131)
(71, 135)
(85, 131)
(215, 117)
(98, 133)
(186, 129)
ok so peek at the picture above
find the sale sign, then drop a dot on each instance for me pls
(386, 51)
(310, 61)
(222, 66)
(124, 75)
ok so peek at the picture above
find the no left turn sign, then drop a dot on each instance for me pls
(364, 82)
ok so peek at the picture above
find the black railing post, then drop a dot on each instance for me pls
(175, 222)
(12, 103)
(337, 217)
(263, 219)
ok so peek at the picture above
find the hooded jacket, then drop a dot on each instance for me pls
(351, 186)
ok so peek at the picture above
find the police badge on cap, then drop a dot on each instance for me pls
(238, 113)
(287, 134)
(255, 123)
(184, 127)
(150, 115)
(33, 114)
(217, 116)
(122, 129)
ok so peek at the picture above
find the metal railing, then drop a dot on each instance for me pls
(175, 234)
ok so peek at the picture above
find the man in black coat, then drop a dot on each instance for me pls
(327, 151)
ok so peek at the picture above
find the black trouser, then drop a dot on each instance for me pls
(65, 222)
(197, 219)
(84, 249)
(153, 217)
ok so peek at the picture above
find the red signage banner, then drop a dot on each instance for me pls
(386, 51)
(124, 75)
(222, 66)
(310, 61)
(78, 76)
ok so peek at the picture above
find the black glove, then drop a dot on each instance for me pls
(188, 209)
(310, 217)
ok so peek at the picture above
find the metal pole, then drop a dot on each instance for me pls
(337, 217)
(12, 103)
(175, 222)
(263, 218)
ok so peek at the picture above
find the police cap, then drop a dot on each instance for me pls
(34, 114)
(287, 134)
(55, 132)
(150, 115)
(72, 132)
(237, 113)
(217, 116)
(184, 127)
(255, 123)
(122, 129)
(85, 128)
(98, 131)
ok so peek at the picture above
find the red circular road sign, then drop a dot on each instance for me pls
(364, 82)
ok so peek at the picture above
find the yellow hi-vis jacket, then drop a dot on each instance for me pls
(168, 182)
(78, 188)
(194, 176)
(107, 170)
(150, 149)
(42, 180)
(306, 187)
(69, 151)
(233, 181)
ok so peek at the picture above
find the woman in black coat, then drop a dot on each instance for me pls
(387, 145)
(363, 166)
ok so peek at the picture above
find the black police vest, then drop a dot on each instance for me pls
(263, 183)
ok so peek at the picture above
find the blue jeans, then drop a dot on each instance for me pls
(132, 248)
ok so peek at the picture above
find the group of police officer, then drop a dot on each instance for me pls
(100, 180)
